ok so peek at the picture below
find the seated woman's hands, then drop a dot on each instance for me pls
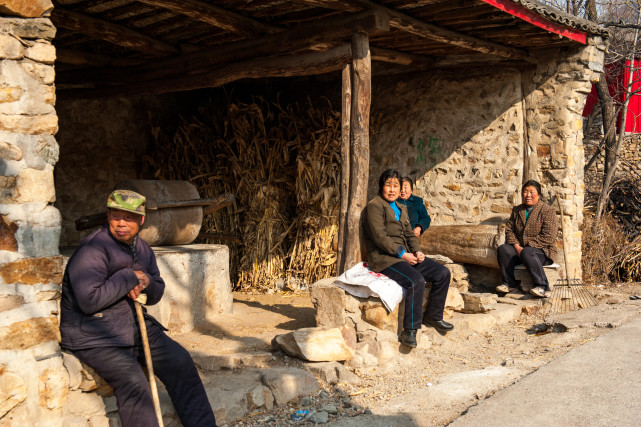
(415, 258)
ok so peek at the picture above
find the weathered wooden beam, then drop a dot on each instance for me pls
(214, 15)
(359, 147)
(345, 6)
(77, 57)
(280, 66)
(426, 30)
(402, 58)
(346, 111)
(472, 244)
(298, 39)
(110, 32)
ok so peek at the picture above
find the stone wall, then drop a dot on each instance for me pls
(466, 144)
(33, 382)
(555, 97)
(460, 140)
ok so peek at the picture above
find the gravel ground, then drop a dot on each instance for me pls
(434, 386)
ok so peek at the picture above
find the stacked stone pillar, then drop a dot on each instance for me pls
(554, 102)
(33, 381)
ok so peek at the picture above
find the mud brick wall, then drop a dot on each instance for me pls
(470, 142)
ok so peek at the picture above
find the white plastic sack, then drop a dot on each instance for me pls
(364, 283)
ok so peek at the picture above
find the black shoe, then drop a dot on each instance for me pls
(441, 325)
(408, 337)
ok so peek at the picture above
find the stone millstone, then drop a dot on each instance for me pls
(320, 344)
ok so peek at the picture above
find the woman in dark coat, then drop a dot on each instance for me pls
(419, 218)
(394, 250)
(530, 239)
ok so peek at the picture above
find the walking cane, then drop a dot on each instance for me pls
(150, 367)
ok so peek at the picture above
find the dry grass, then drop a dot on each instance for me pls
(283, 166)
(601, 245)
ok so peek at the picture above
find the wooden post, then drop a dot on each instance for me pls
(346, 112)
(359, 146)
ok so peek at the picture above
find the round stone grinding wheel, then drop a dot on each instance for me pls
(168, 226)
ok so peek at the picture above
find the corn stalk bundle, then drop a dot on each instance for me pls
(282, 165)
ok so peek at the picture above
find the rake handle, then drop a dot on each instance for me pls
(565, 252)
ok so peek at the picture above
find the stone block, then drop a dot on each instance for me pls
(26, 8)
(478, 303)
(453, 302)
(9, 302)
(332, 372)
(100, 421)
(43, 72)
(465, 324)
(32, 271)
(505, 313)
(10, 94)
(13, 391)
(320, 344)
(10, 151)
(10, 47)
(38, 28)
(552, 272)
(30, 125)
(259, 397)
(41, 52)
(74, 370)
(84, 405)
(53, 388)
(215, 362)
(8, 229)
(29, 333)
(38, 234)
(287, 384)
(329, 302)
(33, 185)
(197, 286)
(374, 312)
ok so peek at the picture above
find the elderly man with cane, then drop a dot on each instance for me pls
(111, 270)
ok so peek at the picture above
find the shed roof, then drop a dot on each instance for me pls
(119, 44)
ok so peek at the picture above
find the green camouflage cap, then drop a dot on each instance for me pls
(126, 200)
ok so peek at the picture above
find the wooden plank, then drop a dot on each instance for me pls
(110, 32)
(281, 66)
(442, 35)
(402, 58)
(77, 57)
(300, 38)
(344, 6)
(346, 111)
(359, 147)
(534, 18)
(214, 15)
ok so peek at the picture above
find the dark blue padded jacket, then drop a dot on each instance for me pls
(417, 212)
(95, 308)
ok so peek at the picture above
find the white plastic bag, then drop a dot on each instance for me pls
(364, 283)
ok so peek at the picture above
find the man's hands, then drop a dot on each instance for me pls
(415, 258)
(417, 231)
(143, 282)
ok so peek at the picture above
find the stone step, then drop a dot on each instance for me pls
(216, 362)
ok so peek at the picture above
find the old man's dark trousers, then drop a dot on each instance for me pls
(121, 368)
(412, 279)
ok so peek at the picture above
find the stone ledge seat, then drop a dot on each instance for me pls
(523, 275)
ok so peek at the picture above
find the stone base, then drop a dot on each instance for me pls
(523, 275)
(197, 286)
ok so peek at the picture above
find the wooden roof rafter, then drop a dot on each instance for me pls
(215, 16)
(110, 32)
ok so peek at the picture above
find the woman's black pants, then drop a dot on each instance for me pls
(533, 258)
(412, 279)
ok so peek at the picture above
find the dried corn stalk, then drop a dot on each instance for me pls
(282, 165)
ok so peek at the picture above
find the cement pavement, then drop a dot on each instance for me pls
(596, 384)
